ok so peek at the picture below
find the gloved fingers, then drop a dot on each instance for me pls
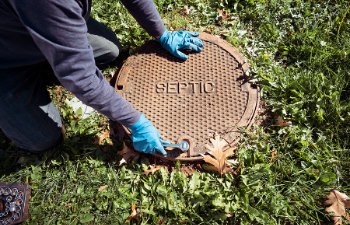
(180, 55)
(161, 150)
(196, 34)
(196, 41)
(159, 147)
(164, 142)
(191, 46)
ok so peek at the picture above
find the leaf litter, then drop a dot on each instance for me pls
(135, 212)
(151, 170)
(128, 153)
(102, 187)
(336, 203)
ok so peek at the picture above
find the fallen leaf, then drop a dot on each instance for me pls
(135, 212)
(217, 157)
(186, 10)
(161, 221)
(68, 205)
(283, 123)
(152, 169)
(103, 136)
(228, 215)
(337, 203)
(236, 172)
(224, 15)
(128, 153)
(103, 187)
(273, 156)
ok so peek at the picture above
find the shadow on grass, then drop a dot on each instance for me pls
(74, 148)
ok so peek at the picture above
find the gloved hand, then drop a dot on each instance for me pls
(179, 40)
(146, 137)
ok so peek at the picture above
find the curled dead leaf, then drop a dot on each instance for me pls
(128, 153)
(228, 215)
(152, 170)
(135, 212)
(103, 136)
(161, 221)
(283, 123)
(236, 172)
(273, 156)
(336, 203)
(102, 187)
(186, 10)
(224, 15)
(68, 205)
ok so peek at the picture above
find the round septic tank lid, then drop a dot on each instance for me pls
(191, 100)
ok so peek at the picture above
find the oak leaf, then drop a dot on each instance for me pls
(218, 156)
(224, 15)
(128, 153)
(337, 203)
(135, 212)
(103, 136)
(152, 170)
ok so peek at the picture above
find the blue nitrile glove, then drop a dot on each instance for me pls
(146, 137)
(179, 40)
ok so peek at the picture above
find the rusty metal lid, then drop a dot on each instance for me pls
(193, 99)
(14, 202)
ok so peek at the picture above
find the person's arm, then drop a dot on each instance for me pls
(58, 29)
(146, 14)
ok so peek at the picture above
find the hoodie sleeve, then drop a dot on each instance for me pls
(58, 29)
(146, 14)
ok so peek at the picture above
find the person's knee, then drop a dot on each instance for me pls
(112, 54)
(41, 145)
(106, 51)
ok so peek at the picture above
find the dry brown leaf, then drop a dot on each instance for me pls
(161, 221)
(152, 170)
(128, 153)
(273, 156)
(224, 15)
(337, 203)
(236, 172)
(103, 187)
(186, 10)
(68, 205)
(135, 212)
(217, 157)
(283, 123)
(228, 215)
(103, 136)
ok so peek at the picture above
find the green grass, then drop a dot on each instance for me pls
(299, 55)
